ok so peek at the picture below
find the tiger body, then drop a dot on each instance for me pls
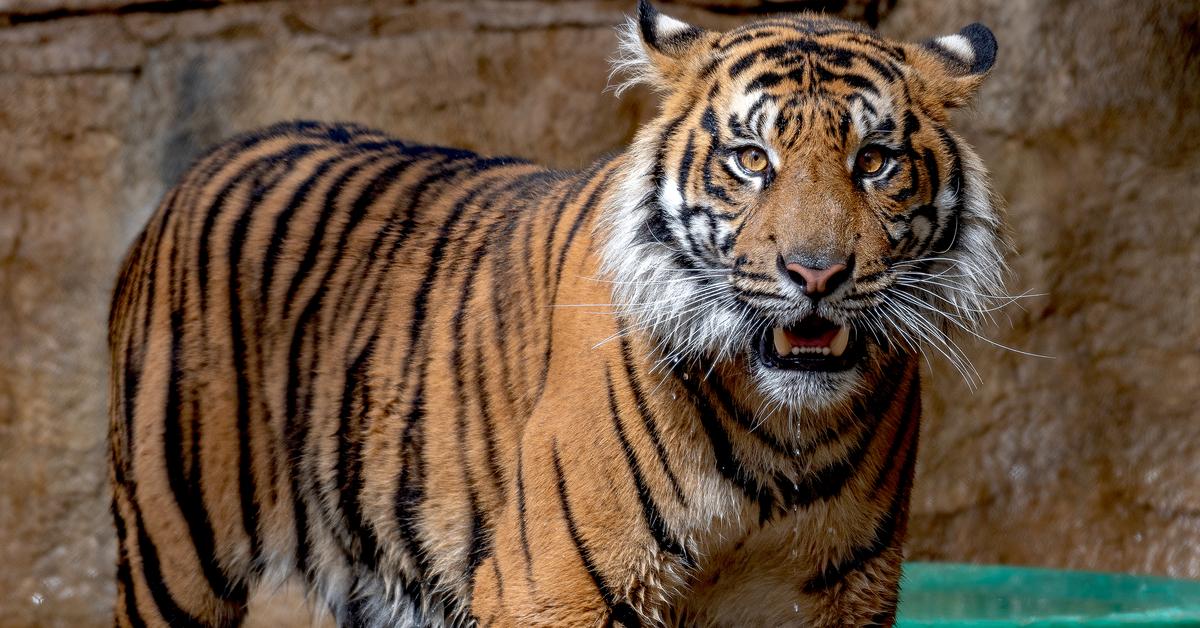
(442, 388)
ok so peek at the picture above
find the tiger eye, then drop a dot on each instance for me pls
(753, 159)
(870, 160)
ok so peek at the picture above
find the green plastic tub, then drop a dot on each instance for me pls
(947, 595)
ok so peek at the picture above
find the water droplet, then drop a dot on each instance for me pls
(796, 608)
(37, 599)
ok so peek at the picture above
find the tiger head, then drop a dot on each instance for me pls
(799, 207)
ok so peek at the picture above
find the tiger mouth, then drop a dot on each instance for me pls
(812, 344)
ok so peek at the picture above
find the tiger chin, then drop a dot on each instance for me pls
(679, 387)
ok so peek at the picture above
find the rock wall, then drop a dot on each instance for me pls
(1086, 460)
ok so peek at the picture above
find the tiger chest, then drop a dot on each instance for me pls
(759, 573)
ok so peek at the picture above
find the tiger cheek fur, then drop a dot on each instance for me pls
(677, 388)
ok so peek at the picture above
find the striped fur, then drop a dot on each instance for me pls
(445, 389)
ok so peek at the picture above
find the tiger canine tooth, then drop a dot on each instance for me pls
(838, 346)
(782, 345)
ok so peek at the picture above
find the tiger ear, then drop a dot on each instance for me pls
(663, 35)
(659, 49)
(954, 66)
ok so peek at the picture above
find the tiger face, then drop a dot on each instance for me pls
(800, 206)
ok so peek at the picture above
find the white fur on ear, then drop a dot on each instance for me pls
(632, 64)
(649, 45)
(666, 26)
(958, 47)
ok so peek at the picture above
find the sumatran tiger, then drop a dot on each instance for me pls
(679, 387)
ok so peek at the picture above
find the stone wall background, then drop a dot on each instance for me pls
(1089, 124)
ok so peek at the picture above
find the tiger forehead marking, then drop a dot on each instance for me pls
(677, 388)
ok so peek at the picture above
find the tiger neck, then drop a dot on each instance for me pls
(738, 423)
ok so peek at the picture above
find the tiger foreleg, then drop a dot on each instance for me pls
(154, 588)
(569, 550)
(866, 595)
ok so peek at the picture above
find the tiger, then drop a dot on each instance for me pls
(680, 387)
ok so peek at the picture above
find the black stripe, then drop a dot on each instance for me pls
(479, 541)
(742, 38)
(350, 439)
(300, 391)
(395, 158)
(124, 575)
(552, 290)
(585, 555)
(883, 537)
(522, 522)
(531, 219)
(329, 207)
(856, 81)
(499, 579)
(914, 181)
(910, 414)
(257, 168)
(955, 181)
(766, 80)
(410, 486)
(647, 415)
(583, 214)
(166, 605)
(654, 519)
(132, 373)
(283, 220)
(504, 292)
(728, 464)
(751, 293)
(710, 187)
(500, 237)
(829, 481)
(569, 195)
(486, 420)
(186, 485)
(931, 172)
(753, 276)
(743, 418)
(685, 169)
(250, 506)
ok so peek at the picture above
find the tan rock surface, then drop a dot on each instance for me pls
(1088, 460)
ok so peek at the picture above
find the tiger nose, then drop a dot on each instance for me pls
(817, 282)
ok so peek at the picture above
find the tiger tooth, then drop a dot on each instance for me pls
(838, 346)
(782, 345)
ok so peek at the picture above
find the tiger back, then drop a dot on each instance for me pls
(679, 387)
